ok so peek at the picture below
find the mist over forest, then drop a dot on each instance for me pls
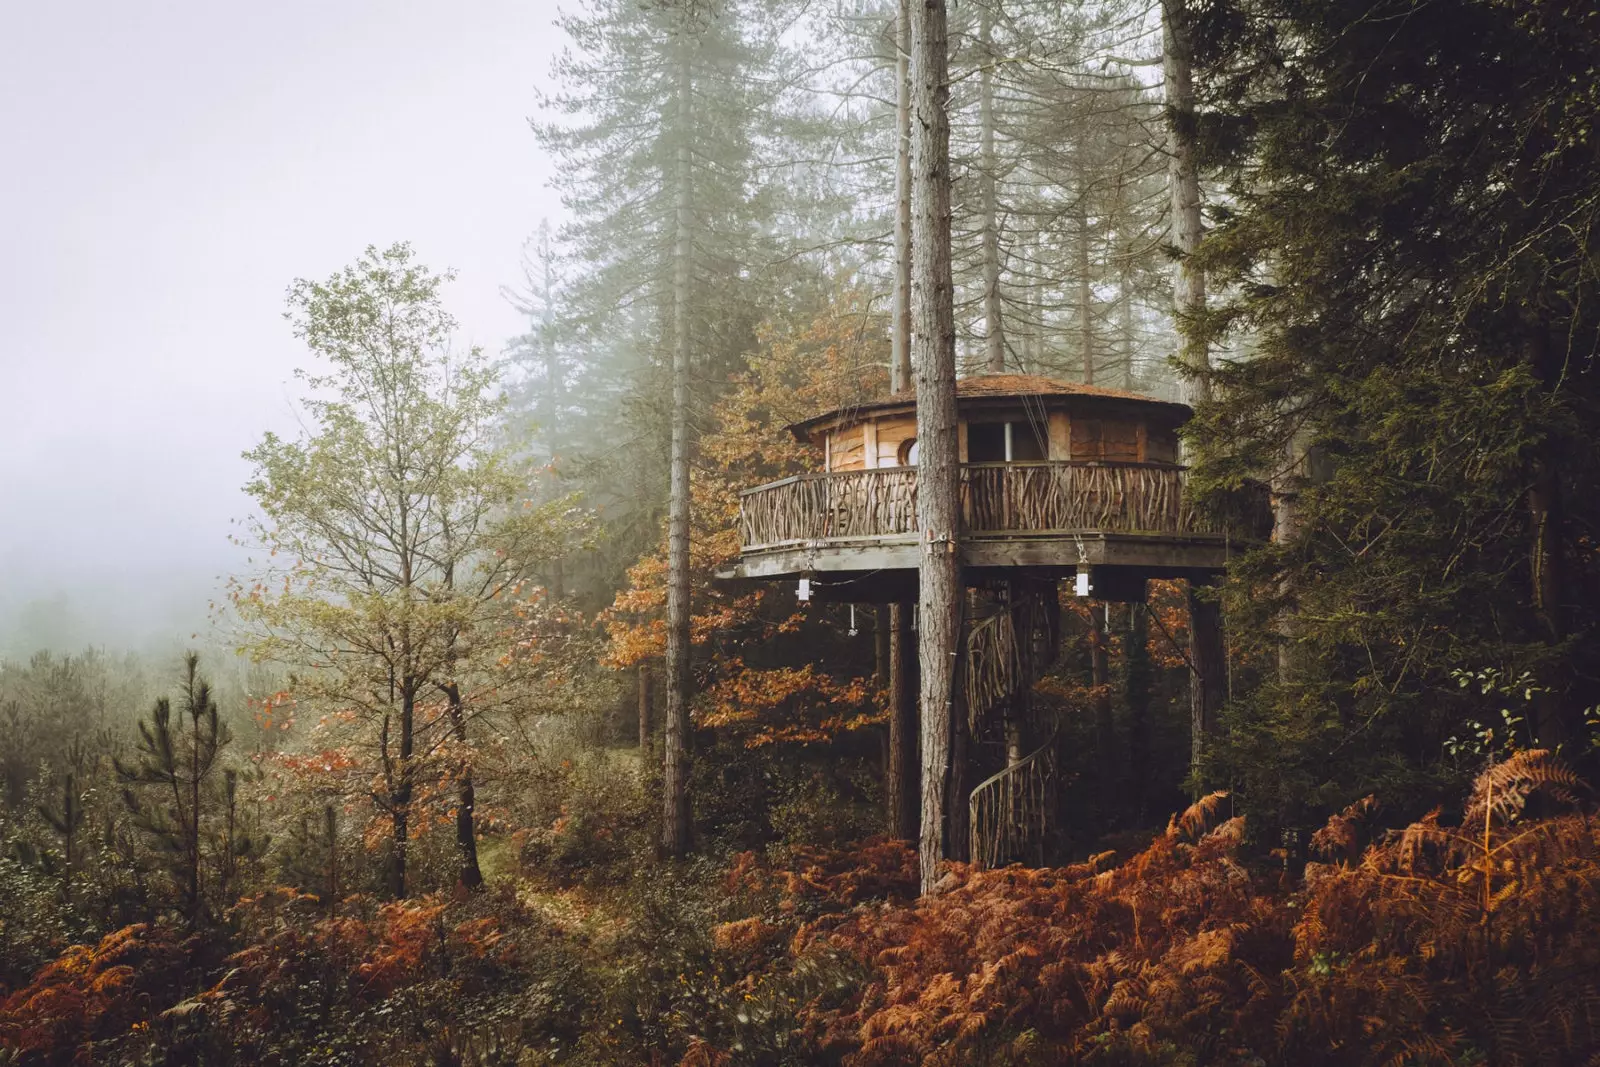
(869, 532)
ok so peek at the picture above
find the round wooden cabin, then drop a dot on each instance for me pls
(1056, 477)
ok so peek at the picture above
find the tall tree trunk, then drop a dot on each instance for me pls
(994, 331)
(902, 784)
(1547, 564)
(1100, 680)
(400, 792)
(1125, 313)
(958, 805)
(1285, 488)
(1208, 678)
(1085, 293)
(1183, 179)
(1026, 327)
(938, 479)
(471, 875)
(644, 711)
(1125, 290)
(675, 759)
(900, 364)
(1137, 691)
(330, 822)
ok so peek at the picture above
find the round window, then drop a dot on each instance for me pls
(908, 452)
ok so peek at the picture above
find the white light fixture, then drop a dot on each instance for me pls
(804, 592)
(1080, 584)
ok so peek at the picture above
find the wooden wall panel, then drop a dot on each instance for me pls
(845, 450)
(1113, 439)
(1119, 440)
(1060, 435)
(894, 431)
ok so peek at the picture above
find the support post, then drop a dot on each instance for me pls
(1208, 680)
(902, 779)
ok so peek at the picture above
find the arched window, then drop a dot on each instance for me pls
(908, 452)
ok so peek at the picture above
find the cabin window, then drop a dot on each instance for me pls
(907, 456)
(986, 442)
(1029, 443)
(1161, 447)
(1004, 442)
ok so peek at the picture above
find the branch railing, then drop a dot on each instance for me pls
(1010, 812)
(995, 498)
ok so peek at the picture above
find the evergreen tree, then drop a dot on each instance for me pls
(171, 792)
(1408, 272)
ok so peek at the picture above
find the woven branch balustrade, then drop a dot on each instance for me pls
(1010, 811)
(995, 498)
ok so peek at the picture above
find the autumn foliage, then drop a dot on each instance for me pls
(1444, 942)
(89, 994)
(772, 689)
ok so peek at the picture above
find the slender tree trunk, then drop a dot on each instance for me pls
(1183, 178)
(1100, 680)
(471, 875)
(958, 809)
(994, 340)
(1285, 487)
(902, 785)
(1548, 566)
(1208, 679)
(900, 377)
(1137, 691)
(400, 796)
(193, 842)
(675, 760)
(1125, 293)
(938, 478)
(1085, 294)
(644, 710)
(330, 819)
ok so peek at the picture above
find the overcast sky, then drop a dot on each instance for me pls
(170, 168)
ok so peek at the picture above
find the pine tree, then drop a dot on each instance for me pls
(171, 792)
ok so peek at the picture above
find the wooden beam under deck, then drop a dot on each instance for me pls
(1161, 555)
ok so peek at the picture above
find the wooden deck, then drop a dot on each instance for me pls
(1053, 515)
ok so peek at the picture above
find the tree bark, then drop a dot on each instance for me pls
(900, 364)
(1137, 691)
(1285, 488)
(675, 756)
(644, 710)
(400, 793)
(1208, 679)
(902, 784)
(1085, 293)
(934, 348)
(471, 875)
(994, 330)
(1183, 179)
(1100, 680)
(958, 809)
(1547, 566)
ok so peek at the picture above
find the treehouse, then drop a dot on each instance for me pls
(1057, 478)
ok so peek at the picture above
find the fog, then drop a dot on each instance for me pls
(170, 169)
